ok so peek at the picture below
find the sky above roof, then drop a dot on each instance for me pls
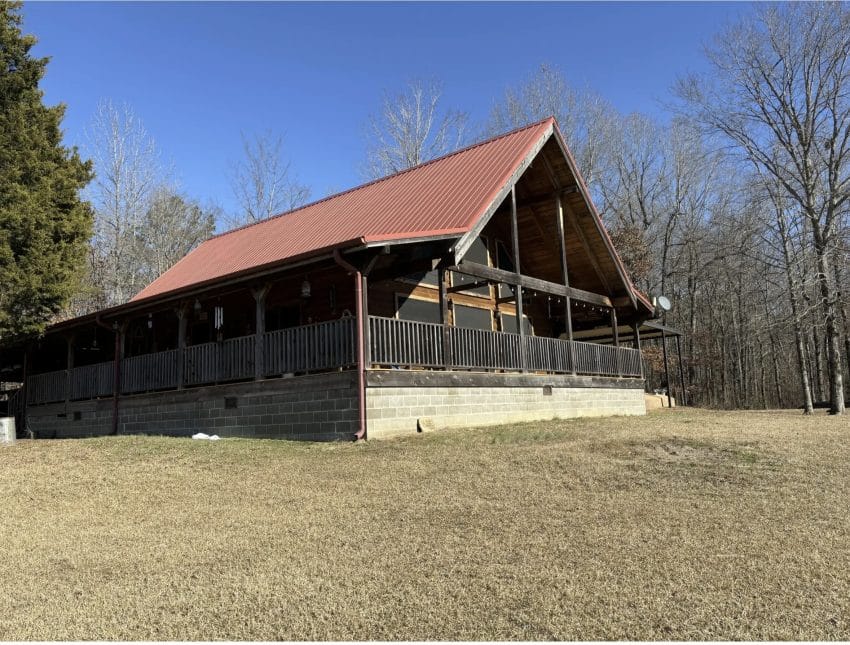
(198, 74)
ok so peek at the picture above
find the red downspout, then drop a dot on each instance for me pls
(116, 376)
(361, 340)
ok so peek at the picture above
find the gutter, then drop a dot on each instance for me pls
(361, 340)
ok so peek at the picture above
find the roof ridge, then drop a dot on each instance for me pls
(386, 177)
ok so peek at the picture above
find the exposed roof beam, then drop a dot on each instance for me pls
(498, 275)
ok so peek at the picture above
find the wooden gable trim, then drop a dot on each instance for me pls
(460, 249)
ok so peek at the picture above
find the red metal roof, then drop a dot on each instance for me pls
(445, 196)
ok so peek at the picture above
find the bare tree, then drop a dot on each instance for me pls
(778, 91)
(412, 129)
(263, 182)
(172, 226)
(583, 115)
(127, 171)
(142, 223)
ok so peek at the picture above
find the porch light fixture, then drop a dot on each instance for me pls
(306, 290)
(197, 305)
(150, 321)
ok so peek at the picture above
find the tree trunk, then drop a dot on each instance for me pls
(833, 340)
(793, 295)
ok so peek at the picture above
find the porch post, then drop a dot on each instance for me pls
(444, 320)
(681, 370)
(182, 320)
(118, 329)
(69, 368)
(666, 364)
(519, 318)
(616, 331)
(636, 327)
(259, 330)
(24, 388)
(568, 314)
(367, 328)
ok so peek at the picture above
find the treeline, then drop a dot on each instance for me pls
(736, 208)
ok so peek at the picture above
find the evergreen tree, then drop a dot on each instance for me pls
(44, 225)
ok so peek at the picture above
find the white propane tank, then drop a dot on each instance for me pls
(7, 430)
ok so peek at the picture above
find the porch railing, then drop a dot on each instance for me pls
(332, 345)
(47, 388)
(419, 344)
(93, 381)
(229, 360)
(149, 372)
(310, 348)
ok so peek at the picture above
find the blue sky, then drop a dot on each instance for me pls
(199, 73)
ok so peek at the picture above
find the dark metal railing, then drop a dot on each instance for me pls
(418, 344)
(92, 381)
(333, 345)
(47, 388)
(308, 348)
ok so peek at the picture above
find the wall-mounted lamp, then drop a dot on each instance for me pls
(150, 321)
(306, 290)
(197, 305)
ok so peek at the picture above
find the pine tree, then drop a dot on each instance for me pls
(44, 225)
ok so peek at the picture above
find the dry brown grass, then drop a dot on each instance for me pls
(680, 525)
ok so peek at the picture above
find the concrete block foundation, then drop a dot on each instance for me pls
(399, 402)
(325, 406)
(318, 407)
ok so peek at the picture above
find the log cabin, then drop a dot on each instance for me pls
(451, 294)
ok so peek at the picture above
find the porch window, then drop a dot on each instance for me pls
(408, 308)
(509, 324)
(479, 254)
(473, 317)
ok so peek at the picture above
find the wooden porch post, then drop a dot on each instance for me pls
(24, 388)
(69, 368)
(636, 327)
(616, 332)
(519, 318)
(182, 320)
(116, 380)
(568, 314)
(666, 364)
(681, 370)
(444, 320)
(259, 294)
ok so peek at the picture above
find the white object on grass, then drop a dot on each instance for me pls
(7, 430)
(201, 435)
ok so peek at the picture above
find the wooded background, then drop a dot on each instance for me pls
(735, 208)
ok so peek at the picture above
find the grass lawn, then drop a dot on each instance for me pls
(679, 525)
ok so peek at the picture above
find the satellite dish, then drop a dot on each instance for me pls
(663, 303)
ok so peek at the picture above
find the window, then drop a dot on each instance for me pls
(473, 317)
(479, 254)
(408, 308)
(509, 324)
